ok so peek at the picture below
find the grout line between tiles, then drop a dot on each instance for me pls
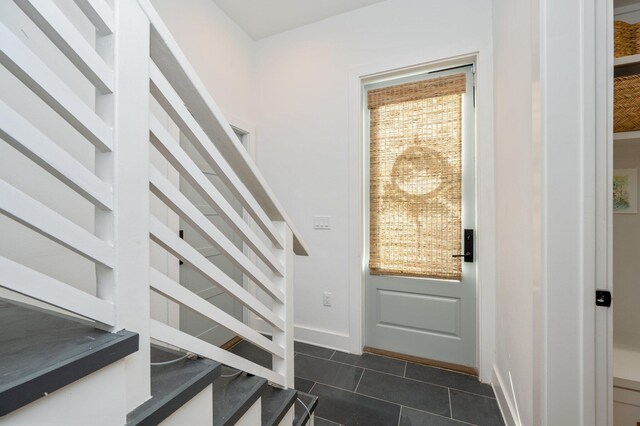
(404, 374)
(330, 421)
(473, 393)
(388, 374)
(400, 415)
(409, 378)
(351, 365)
(431, 384)
(376, 398)
(440, 415)
(391, 402)
(359, 380)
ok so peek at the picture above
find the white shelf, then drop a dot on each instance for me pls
(626, 60)
(626, 136)
(625, 366)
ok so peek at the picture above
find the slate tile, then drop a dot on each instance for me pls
(351, 409)
(371, 361)
(411, 417)
(303, 385)
(253, 353)
(319, 421)
(327, 372)
(305, 348)
(439, 376)
(475, 409)
(411, 393)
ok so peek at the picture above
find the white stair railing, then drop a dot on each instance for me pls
(178, 90)
(115, 63)
(133, 60)
(23, 135)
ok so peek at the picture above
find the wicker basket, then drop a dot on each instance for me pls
(625, 38)
(626, 103)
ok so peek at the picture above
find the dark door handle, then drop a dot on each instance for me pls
(468, 246)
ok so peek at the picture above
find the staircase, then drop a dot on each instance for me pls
(89, 285)
(43, 353)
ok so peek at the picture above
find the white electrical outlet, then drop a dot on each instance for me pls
(322, 222)
(326, 299)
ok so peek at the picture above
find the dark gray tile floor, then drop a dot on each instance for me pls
(375, 390)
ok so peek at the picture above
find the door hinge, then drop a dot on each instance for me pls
(603, 298)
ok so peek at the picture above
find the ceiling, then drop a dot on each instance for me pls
(262, 18)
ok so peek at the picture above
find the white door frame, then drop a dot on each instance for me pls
(485, 199)
(604, 211)
(574, 102)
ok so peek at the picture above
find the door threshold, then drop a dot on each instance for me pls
(424, 361)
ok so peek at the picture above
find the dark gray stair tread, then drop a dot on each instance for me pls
(302, 415)
(172, 385)
(233, 396)
(42, 352)
(275, 404)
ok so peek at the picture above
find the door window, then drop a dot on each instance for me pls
(415, 206)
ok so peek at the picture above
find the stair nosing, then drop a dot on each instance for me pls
(311, 409)
(282, 409)
(152, 412)
(34, 386)
(254, 394)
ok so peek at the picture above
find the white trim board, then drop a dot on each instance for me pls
(313, 336)
(485, 189)
(506, 404)
(324, 338)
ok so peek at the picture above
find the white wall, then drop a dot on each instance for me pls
(626, 268)
(515, 214)
(549, 110)
(222, 54)
(304, 130)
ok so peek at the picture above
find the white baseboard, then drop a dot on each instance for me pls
(500, 388)
(324, 338)
(313, 336)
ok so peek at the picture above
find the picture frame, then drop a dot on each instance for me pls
(625, 191)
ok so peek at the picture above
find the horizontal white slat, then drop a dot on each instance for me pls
(180, 160)
(186, 342)
(53, 225)
(25, 65)
(99, 13)
(174, 291)
(30, 141)
(171, 196)
(174, 106)
(183, 251)
(174, 65)
(26, 281)
(46, 15)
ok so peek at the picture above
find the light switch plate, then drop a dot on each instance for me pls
(321, 222)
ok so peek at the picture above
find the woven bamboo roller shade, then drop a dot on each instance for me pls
(416, 178)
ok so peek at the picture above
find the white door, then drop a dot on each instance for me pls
(191, 322)
(420, 295)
